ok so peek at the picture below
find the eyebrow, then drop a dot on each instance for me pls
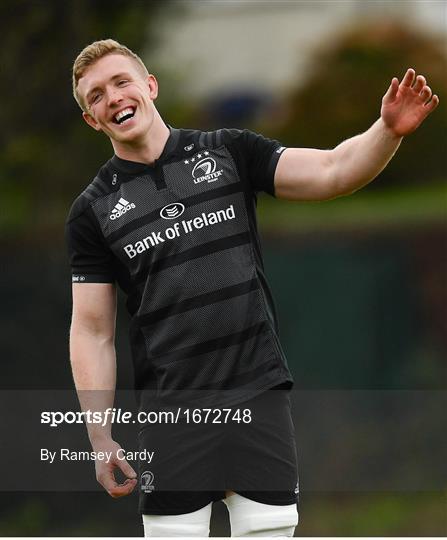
(96, 88)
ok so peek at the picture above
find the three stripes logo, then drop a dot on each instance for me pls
(172, 211)
(121, 207)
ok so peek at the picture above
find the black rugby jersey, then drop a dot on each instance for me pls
(180, 239)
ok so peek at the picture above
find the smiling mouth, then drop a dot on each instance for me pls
(124, 115)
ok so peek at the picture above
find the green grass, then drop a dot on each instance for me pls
(366, 209)
(373, 514)
(422, 205)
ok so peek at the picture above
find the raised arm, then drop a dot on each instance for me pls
(307, 174)
(93, 361)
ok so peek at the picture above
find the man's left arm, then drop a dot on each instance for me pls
(307, 174)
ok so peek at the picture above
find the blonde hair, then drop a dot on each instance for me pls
(92, 53)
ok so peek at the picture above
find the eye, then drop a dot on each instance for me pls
(123, 82)
(95, 98)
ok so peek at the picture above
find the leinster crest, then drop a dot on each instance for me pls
(146, 482)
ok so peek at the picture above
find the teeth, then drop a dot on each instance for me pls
(123, 113)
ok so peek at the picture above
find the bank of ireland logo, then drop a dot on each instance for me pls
(172, 211)
(146, 482)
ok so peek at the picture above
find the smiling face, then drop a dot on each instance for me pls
(118, 98)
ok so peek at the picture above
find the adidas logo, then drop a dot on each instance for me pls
(121, 207)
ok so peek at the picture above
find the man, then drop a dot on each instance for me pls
(171, 219)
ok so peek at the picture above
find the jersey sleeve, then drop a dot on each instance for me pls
(90, 259)
(256, 156)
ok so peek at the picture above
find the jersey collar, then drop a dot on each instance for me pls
(134, 167)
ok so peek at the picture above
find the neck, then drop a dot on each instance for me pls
(148, 149)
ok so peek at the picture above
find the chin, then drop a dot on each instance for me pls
(132, 136)
(126, 137)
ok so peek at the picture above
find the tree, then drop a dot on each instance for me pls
(46, 153)
(343, 93)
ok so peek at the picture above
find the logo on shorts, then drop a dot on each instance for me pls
(297, 489)
(146, 482)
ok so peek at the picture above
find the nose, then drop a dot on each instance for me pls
(113, 96)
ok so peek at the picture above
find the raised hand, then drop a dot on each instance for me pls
(406, 105)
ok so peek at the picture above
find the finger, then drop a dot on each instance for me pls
(392, 90)
(420, 83)
(432, 104)
(425, 93)
(107, 480)
(126, 469)
(408, 77)
(121, 490)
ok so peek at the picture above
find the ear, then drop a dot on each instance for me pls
(91, 121)
(153, 86)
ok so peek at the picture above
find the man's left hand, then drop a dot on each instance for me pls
(406, 105)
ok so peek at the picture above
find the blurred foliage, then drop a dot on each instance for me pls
(321, 514)
(46, 153)
(342, 97)
(31, 518)
(379, 514)
(396, 206)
